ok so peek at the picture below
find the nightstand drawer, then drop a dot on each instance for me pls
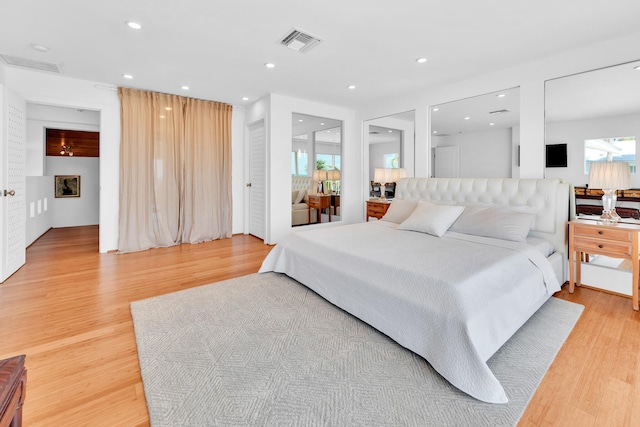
(608, 233)
(377, 208)
(602, 247)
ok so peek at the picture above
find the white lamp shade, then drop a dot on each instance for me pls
(398, 174)
(610, 175)
(333, 175)
(383, 175)
(319, 175)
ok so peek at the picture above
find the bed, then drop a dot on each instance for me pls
(451, 290)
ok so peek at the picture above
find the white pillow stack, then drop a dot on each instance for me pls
(431, 218)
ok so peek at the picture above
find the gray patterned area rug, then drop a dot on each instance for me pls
(263, 350)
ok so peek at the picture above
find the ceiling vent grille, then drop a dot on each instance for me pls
(30, 63)
(299, 41)
(499, 112)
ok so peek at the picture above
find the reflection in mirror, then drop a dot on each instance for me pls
(390, 140)
(316, 154)
(597, 115)
(476, 137)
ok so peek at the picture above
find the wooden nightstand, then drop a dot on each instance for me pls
(377, 208)
(13, 384)
(319, 202)
(615, 241)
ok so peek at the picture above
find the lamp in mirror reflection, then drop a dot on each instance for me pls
(609, 176)
(385, 176)
(333, 178)
(66, 149)
(320, 176)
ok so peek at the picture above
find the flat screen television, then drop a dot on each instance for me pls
(556, 156)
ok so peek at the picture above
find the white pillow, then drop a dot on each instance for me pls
(399, 210)
(431, 219)
(301, 194)
(493, 221)
(294, 194)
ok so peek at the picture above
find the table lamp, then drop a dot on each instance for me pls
(609, 176)
(320, 176)
(383, 176)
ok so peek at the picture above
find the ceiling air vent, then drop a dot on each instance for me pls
(30, 63)
(499, 112)
(299, 41)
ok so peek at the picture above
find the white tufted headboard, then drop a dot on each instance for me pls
(299, 182)
(549, 199)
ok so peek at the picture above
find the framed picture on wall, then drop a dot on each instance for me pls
(67, 185)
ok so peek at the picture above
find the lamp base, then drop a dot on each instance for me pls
(609, 217)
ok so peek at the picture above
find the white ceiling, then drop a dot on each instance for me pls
(219, 48)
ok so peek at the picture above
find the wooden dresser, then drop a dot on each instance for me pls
(377, 208)
(13, 384)
(616, 241)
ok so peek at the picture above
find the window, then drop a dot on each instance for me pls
(299, 163)
(392, 160)
(610, 149)
(327, 161)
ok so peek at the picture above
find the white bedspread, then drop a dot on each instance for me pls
(453, 300)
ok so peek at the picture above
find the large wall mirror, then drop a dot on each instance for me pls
(476, 137)
(391, 145)
(316, 155)
(592, 116)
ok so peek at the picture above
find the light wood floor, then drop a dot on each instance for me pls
(67, 309)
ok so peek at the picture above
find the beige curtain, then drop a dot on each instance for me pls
(175, 170)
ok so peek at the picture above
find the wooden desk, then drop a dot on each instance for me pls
(377, 208)
(319, 202)
(615, 241)
(13, 384)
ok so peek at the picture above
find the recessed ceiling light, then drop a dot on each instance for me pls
(300, 120)
(435, 109)
(389, 131)
(127, 76)
(244, 98)
(491, 124)
(321, 124)
(637, 68)
(501, 95)
(351, 87)
(467, 118)
(39, 47)
(270, 65)
(133, 25)
(421, 60)
(435, 131)
(184, 87)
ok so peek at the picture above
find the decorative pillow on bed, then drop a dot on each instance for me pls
(399, 210)
(431, 218)
(495, 222)
(301, 194)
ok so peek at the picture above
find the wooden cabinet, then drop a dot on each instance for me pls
(13, 382)
(615, 241)
(377, 208)
(319, 202)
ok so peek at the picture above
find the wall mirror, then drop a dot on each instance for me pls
(316, 154)
(390, 141)
(476, 137)
(596, 115)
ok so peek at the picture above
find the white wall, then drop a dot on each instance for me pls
(54, 90)
(482, 154)
(39, 196)
(76, 211)
(575, 132)
(529, 77)
(40, 117)
(277, 112)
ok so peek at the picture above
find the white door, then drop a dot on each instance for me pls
(12, 182)
(256, 184)
(446, 162)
